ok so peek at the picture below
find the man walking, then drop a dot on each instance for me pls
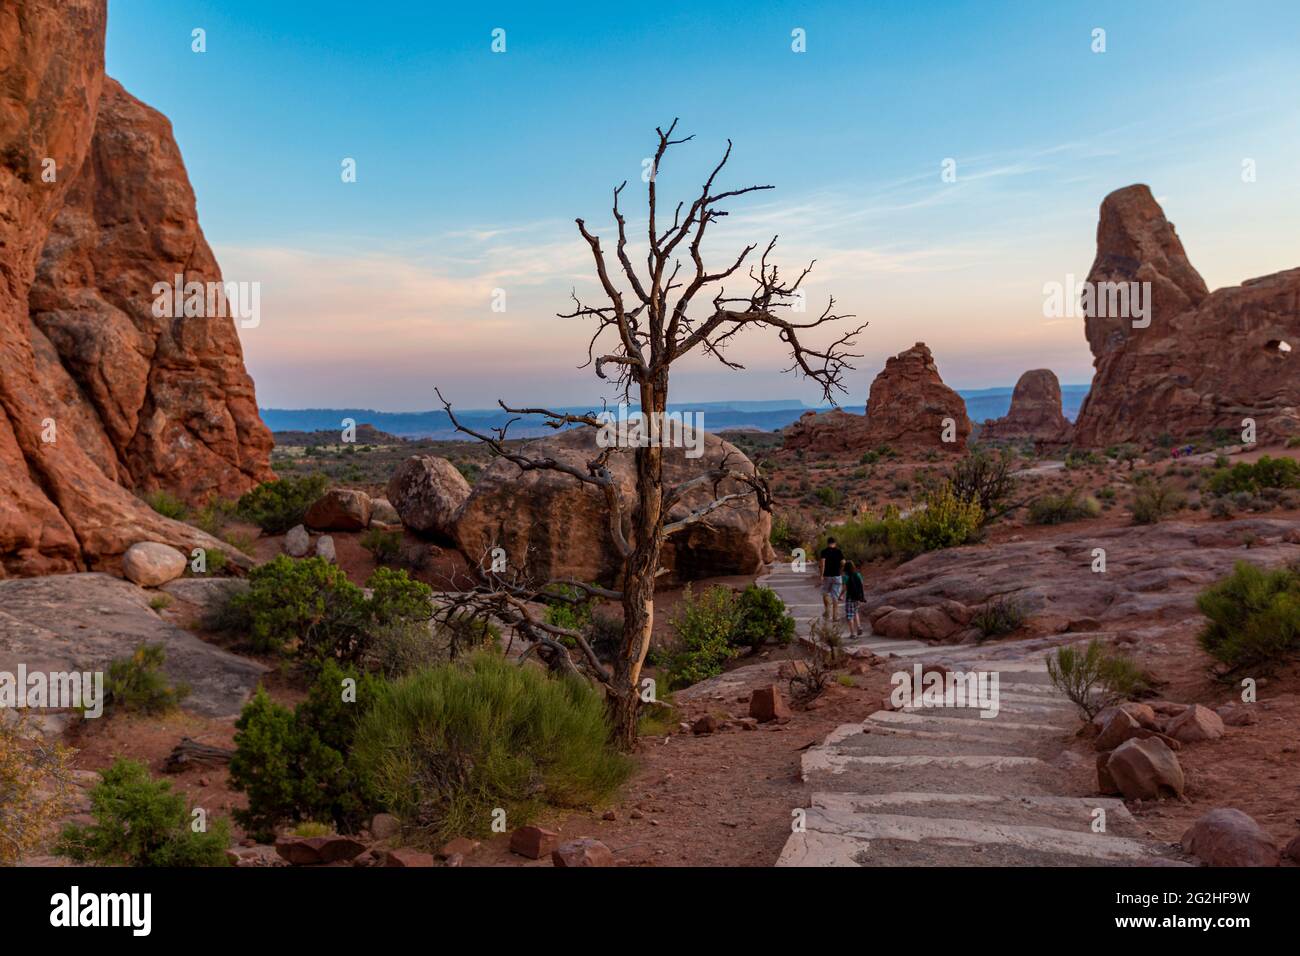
(831, 561)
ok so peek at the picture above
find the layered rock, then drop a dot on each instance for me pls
(909, 407)
(98, 397)
(552, 526)
(1206, 360)
(1035, 412)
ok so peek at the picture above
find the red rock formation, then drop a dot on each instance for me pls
(551, 526)
(84, 410)
(836, 430)
(908, 405)
(1035, 412)
(1207, 360)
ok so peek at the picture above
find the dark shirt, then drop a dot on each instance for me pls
(853, 587)
(834, 559)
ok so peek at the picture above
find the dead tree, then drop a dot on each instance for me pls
(648, 321)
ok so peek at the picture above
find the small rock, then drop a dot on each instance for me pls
(149, 564)
(1105, 782)
(383, 512)
(609, 815)
(339, 509)
(533, 842)
(325, 548)
(708, 724)
(405, 856)
(582, 852)
(455, 859)
(385, 826)
(1196, 723)
(460, 846)
(297, 542)
(1292, 851)
(311, 851)
(766, 703)
(1228, 837)
(1234, 716)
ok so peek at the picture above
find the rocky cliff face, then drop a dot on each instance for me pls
(1207, 360)
(908, 405)
(1035, 412)
(98, 398)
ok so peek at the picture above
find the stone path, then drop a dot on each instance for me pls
(943, 786)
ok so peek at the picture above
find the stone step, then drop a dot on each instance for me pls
(845, 837)
(1067, 813)
(936, 721)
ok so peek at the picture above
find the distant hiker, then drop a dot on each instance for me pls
(853, 595)
(831, 561)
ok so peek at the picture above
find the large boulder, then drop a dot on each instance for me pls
(1228, 837)
(339, 509)
(428, 493)
(909, 406)
(1035, 412)
(150, 564)
(1145, 769)
(99, 397)
(553, 526)
(1206, 360)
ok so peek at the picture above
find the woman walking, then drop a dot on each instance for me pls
(853, 594)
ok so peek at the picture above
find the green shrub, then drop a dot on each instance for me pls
(294, 765)
(1058, 509)
(304, 602)
(1093, 678)
(1002, 615)
(761, 618)
(1254, 616)
(789, 532)
(141, 822)
(167, 505)
(570, 607)
(444, 747)
(984, 478)
(1154, 500)
(277, 506)
(704, 626)
(212, 517)
(1265, 473)
(396, 596)
(944, 521)
(829, 496)
(383, 545)
(136, 684)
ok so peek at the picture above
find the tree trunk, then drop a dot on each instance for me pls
(639, 575)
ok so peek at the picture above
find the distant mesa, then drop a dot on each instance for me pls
(1207, 360)
(100, 398)
(1035, 412)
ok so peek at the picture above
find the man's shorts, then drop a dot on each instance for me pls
(831, 586)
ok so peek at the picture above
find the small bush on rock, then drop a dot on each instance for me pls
(137, 684)
(1154, 500)
(984, 478)
(1254, 478)
(1002, 615)
(446, 746)
(1059, 509)
(141, 822)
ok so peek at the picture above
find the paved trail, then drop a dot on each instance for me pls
(946, 787)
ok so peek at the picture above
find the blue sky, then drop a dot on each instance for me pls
(472, 165)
